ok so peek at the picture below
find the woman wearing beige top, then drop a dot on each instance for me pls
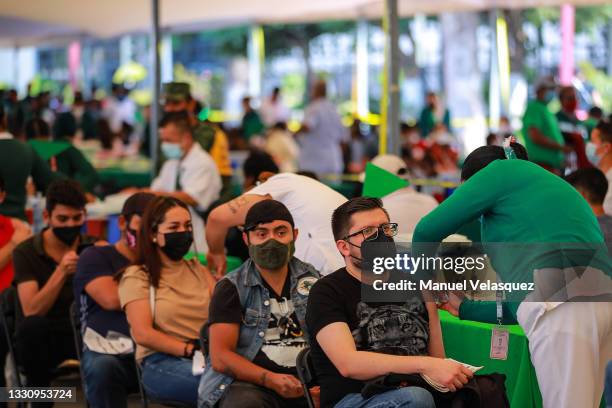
(166, 301)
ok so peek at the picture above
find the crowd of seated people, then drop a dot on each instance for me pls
(201, 335)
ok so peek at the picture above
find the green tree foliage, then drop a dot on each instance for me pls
(587, 18)
(601, 82)
(280, 39)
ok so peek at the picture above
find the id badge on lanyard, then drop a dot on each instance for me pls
(500, 337)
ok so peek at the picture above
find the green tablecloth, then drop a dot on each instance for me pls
(470, 342)
(123, 178)
(232, 261)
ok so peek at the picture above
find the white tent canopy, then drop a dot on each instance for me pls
(18, 31)
(108, 18)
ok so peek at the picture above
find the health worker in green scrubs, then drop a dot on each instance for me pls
(521, 205)
(541, 132)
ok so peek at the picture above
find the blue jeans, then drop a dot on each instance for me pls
(169, 378)
(108, 379)
(408, 397)
(608, 385)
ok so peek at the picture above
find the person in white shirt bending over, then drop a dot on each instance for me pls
(189, 174)
(310, 202)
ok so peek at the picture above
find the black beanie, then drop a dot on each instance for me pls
(267, 211)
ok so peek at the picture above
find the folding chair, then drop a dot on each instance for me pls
(146, 400)
(75, 322)
(305, 373)
(204, 339)
(8, 318)
(143, 394)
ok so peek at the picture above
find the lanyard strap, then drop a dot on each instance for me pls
(500, 310)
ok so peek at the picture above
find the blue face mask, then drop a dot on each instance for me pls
(591, 152)
(171, 150)
(550, 95)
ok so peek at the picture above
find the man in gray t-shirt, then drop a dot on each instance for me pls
(321, 135)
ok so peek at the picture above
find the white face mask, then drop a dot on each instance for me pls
(171, 150)
(591, 152)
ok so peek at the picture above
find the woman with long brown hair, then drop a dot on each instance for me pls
(166, 301)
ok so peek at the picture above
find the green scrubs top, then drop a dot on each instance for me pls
(252, 125)
(73, 164)
(18, 161)
(517, 202)
(427, 121)
(537, 115)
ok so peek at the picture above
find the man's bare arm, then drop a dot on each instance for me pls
(224, 359)
(37, 301)
(230, 214)
(104, 292)
(436, 345)
(540, 139)
(337, 343)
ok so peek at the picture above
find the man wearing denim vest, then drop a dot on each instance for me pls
(256, 319)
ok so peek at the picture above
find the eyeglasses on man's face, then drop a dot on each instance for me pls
(371, 233)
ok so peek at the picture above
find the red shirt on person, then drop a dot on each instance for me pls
(6, 233)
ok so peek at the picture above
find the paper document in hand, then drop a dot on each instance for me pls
(198, 363)
(114, 342)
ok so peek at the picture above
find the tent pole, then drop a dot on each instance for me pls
(256, 57)
(16, 66)
(609, 46)
(495, 109)
(166, 61)
(389, 135)
(155, 109)
(566, 67)
(362, 69)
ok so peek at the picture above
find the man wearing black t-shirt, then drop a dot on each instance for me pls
(355, 341)
(108, 353)
(44, 266)
(256, 319)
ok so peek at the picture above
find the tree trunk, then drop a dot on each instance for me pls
(409, 61)
(516, 36)
(305, 46)
(539, 50)
(462, 78)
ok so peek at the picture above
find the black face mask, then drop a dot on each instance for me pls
(381, 247)
(67, 234)
(177, 244)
